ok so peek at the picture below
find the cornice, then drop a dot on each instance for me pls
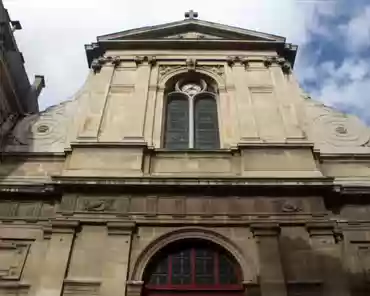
(95, 51)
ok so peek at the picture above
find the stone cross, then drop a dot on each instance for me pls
(191, 14)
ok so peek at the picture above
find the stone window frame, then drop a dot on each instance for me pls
(203, 94)
(160, 108)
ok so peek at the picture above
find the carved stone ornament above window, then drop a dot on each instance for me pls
(191, 88)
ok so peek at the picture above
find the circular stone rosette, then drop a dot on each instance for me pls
(39, 128)
(341, 131)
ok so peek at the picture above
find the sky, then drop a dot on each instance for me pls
(333, 62)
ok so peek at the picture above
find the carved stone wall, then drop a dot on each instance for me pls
(171, 206)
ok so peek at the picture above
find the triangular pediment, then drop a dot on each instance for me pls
(191, 29)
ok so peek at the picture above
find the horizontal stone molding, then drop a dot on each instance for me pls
(265, 229)
(81, 286)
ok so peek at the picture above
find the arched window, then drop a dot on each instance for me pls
(191, 115)
(194, 266)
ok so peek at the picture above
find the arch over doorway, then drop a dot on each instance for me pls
(246, 264)
(193, 267)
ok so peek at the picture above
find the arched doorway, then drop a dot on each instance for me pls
(193, 267)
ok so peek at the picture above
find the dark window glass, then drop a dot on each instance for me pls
(177, 123)
(159, 275)
(181, 268)
(227, 271)
(204, 267)
(206, 123)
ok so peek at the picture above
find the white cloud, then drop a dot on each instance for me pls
(357, 31)
(54, 34)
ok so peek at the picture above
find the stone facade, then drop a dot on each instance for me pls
(89, 195)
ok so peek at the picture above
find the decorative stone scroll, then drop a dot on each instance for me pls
(13, 255)
(43, 132)
(338, 129)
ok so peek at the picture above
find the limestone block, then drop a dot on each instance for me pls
(346, 169)
(279, 162)
(266, 110)
(104, 162)
(180, 163)
(124, 76)
(119, 114)
(30, 167)
(258, 74)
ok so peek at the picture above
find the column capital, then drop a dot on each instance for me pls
(320, 228)
(134, 288)
(120, 228)
(145, 60)
(237, 61)
(60, 226)
(265, 229)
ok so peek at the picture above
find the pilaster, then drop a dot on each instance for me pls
(327, 250)
(246, 117)
(95, 100)
(150, 109)
(140, 97)
(288, 103)
(158, 118)
(117, 257)
(228, 103)
(271, 271)
(56, 259)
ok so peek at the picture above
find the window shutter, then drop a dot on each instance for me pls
(177, 122)
(206, 123)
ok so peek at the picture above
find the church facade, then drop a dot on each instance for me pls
(190, 162)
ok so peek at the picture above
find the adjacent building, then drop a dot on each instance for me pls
(190, 163)
(17, 96)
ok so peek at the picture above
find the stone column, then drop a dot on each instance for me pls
(271, 272)
(117, 258)
(57, 257)
(328, 254)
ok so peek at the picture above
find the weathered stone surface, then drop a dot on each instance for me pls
(88, 195)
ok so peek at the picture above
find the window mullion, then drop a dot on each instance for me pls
(191, 122)
(169, 270)
(193, 267)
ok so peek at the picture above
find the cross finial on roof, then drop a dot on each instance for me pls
(191, 14)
